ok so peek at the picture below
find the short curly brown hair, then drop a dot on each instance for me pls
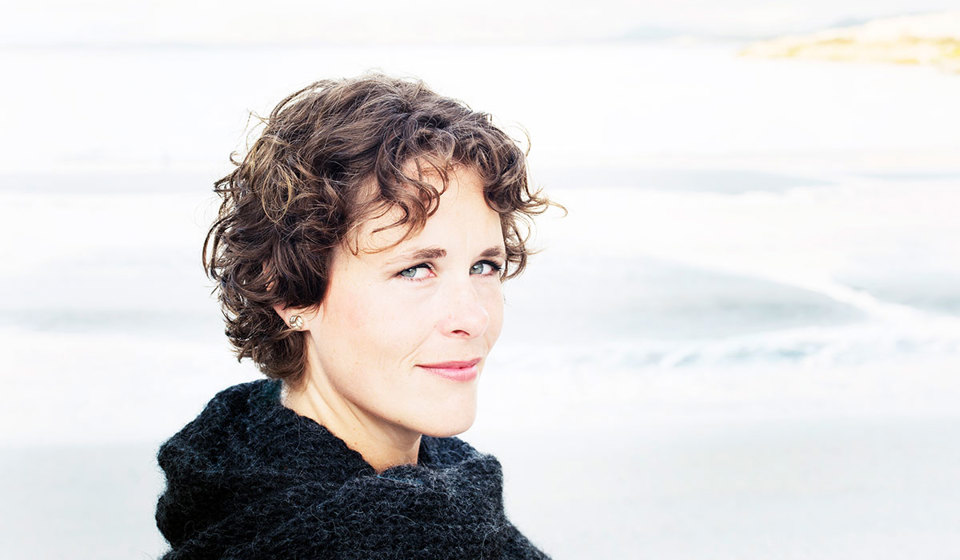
(304, 185)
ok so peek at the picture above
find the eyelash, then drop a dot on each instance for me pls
(495, 267)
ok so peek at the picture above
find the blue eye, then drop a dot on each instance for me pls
(485, 268)
(414, 272)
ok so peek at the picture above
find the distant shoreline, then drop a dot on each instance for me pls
(925, 40)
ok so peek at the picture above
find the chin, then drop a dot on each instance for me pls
(444, 413)
(450, 425)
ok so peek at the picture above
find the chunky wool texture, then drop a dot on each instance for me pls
(250, 478)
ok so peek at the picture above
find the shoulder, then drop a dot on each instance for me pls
(234, 403)
(225, 418)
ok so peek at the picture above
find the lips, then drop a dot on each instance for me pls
(455, 370)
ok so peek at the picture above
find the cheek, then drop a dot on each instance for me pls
(493, 303)
(352, 316)
(382, 325)
(346, 311)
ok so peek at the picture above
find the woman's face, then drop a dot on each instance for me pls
(403, 333)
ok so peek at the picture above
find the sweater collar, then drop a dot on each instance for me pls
(267, 414)
(246, 449)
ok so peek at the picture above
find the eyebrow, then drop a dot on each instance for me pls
(433, 253)
(494, 252)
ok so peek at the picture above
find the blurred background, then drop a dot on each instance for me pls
(743, 341)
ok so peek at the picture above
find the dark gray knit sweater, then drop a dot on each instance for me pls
(250, 478)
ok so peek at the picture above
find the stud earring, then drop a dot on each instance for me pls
(296, 321)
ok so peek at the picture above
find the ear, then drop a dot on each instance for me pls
(299, 318)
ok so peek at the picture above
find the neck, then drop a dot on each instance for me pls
(382, 444)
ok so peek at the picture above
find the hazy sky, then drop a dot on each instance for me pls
(420, 21)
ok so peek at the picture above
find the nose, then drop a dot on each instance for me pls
(464, 315)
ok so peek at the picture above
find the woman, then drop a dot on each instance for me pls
(359, 254)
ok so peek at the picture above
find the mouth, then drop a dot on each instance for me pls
(455, 371)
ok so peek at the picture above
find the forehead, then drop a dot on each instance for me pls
(461, 210)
